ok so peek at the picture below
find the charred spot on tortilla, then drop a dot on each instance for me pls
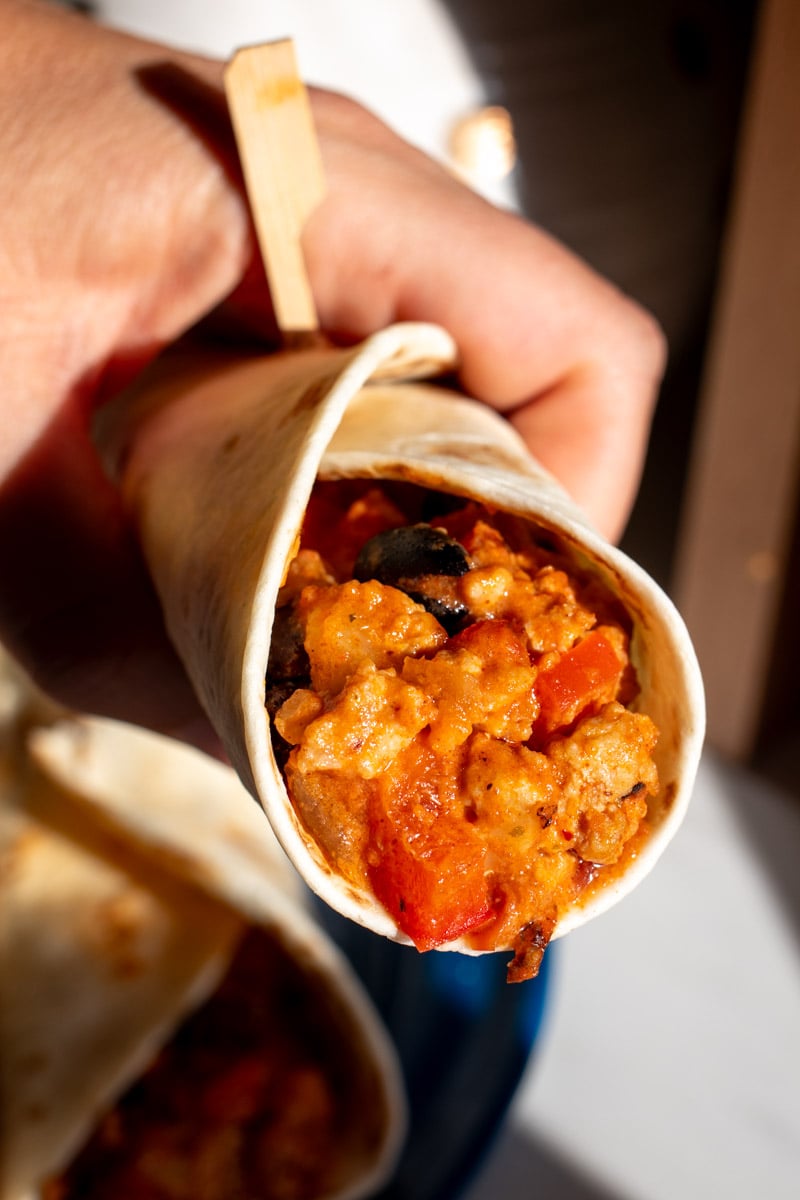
(119, 933)
(463, 742)
(311, 397)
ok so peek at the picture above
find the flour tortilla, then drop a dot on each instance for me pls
(111, 934)
(216, 464)
(96, 968)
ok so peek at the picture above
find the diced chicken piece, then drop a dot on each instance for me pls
(375, 717)
(305, 568)
(554, 620)
(296, 714)
(357, 623)
(334, 810)
(486, 546)
(512, 792)
(545, 605)
(482, 680)
(607, 776)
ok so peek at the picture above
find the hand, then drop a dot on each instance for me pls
(124, 224)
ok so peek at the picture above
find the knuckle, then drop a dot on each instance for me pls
(647, 342)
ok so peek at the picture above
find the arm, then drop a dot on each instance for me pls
(124, 224)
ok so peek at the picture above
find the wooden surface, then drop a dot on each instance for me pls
(736, 551)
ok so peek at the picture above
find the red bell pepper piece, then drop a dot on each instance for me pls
(587, 674)
(432, 882)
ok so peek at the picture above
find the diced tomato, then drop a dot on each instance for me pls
(235, 1094)
(588, 674)
(435, 891)
(461, 522)
(324, 512)
(337, 524)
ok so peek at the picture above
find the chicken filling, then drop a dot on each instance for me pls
(451, 700)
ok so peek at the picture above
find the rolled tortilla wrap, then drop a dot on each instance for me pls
(108, 950)
(217, 468)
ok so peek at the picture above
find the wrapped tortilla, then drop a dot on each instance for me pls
(591, 730)
(165, 1032)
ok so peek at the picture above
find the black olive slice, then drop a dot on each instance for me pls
(409, 552)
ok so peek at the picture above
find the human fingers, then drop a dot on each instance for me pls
(121, 226)
(573, 363)
(76, 607)
(396, 239)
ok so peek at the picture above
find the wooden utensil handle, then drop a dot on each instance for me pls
(282, 167)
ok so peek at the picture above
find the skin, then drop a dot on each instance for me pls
(123, 225)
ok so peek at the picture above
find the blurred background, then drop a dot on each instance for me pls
(660, 140)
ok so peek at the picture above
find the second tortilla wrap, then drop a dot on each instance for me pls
(112, 935)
